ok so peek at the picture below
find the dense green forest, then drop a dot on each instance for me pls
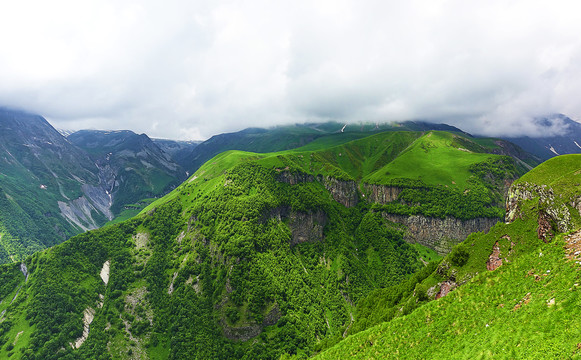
(255, 256)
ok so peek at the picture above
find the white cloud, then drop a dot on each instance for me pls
(182, 68)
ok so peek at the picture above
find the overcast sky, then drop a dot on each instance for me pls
(191, 69)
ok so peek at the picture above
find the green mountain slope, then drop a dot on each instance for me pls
(310, 136)
(254, 256)
(518, 286)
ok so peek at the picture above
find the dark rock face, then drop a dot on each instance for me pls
(551, 212)
(381, 194)
(294, 178)
(304, 226)
(307, 227)
(435, 233)
(344, 192)
(439, 234)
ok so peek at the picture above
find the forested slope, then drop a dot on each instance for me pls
(255, 256)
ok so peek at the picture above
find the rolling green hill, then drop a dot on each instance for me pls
(517, 286)
(310, 136)
(254, 256)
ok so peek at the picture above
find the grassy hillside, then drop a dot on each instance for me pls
(310, 136)
(255, 256)
(561, 173)
(523, 309)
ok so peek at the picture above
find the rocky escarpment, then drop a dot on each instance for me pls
(439, 234)
(381, 194)
(294, 178)
(345, 192)
(553, 213)
(304, 226)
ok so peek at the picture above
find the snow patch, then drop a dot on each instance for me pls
(579, 146)
(553, 150)
(343, 128)
(105, 272)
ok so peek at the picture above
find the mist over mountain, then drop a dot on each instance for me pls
(560, 135)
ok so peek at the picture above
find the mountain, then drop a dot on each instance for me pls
(568, 141)
(510, 293)
(178, 150)
(258, 255)
(133, 166)
(49, 188)
(290, 137)
(52, 188)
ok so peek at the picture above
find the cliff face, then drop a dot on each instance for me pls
(304, 226)
(342, 191)
(553, 213)
(439, 234)
(381, 194)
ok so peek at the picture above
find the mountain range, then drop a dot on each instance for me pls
(409, 240)
(54, 187)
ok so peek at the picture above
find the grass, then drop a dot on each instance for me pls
(562, 173)
(426, 254)
(503, 314)
(435, 161)
(130, 210)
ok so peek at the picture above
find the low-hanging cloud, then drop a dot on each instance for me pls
(190, 69)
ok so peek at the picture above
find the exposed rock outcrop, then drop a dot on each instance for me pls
(88, 316)
(344, 192)
(307, 227)
(439, 234)
(553, 215)
(445, 288)
(105, 272)
(494, 260)
(24, 271)
(294, 178)
(304, 226)
(381, 194)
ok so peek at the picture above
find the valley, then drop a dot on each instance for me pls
(407, 240)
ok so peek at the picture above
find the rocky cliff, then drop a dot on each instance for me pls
(381, 194)
(435, 233)
(439, 234)
(553, 213)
